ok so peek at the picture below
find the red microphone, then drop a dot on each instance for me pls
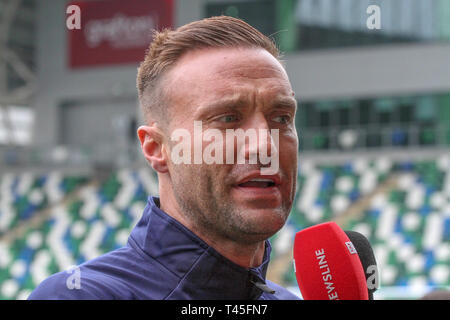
(327, 265)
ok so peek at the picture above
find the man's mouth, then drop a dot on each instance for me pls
(256, 180)
(258, 183)
(266, 190)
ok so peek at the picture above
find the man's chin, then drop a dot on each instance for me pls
(259, 198)
(263, 221)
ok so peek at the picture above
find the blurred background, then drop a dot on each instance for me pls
(373, 124)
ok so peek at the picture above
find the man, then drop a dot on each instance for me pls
(205, 237)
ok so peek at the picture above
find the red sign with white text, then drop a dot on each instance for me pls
(116, 31)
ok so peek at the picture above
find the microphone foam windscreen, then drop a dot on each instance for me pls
(367, 258)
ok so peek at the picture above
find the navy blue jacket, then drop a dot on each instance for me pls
(162, 260)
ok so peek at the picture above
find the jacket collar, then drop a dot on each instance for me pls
(203, 272)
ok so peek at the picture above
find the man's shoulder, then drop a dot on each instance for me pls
(90, 280)
(66, 286)
(119, 274)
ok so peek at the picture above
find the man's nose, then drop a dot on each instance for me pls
(264, 146)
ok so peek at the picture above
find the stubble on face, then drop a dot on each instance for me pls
(206, 198)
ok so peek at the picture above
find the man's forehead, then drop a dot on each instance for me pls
(225, 70)
(218, 63)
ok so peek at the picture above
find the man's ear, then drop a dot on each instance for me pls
(151, 138)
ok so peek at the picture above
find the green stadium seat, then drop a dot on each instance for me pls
(408, 225)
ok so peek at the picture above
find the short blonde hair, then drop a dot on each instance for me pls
(169, 45)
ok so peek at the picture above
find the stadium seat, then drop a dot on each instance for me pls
(98, 219)
(408, 224)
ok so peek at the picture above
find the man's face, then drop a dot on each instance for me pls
(230, 89)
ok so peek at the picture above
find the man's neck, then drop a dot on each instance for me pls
(247, 257)
(244, 255)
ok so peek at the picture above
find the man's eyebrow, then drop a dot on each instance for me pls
(239, 101)
(232, 101)
(285, 101)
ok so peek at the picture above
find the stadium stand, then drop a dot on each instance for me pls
(77, 219)
(22, 195)
(52, 222)
(402, 207)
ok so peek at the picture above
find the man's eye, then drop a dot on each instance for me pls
(284, 119)
(228, 118)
